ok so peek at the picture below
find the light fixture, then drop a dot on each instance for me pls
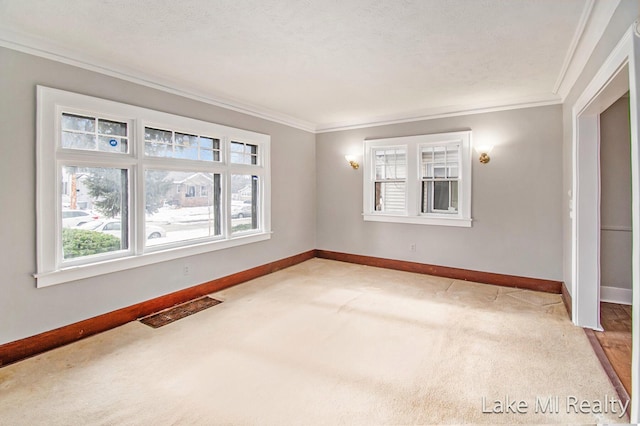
(484, 153)
(351, 159)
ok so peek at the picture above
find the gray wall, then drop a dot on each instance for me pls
(623, 17)
(615, 196)
(26, 310)
(516, 198)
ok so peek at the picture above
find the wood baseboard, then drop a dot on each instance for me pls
(606, 365)
(537, 284)
(24, 348)
(30, 346)
(566, 299)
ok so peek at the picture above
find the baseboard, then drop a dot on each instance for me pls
(20, 349)
(622, 296)
(537, 284)
(566, 299)
(606, 365)
(30, 346)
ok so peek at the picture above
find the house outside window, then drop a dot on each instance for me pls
(423, 179)
(153, 186)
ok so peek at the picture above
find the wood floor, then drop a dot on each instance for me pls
(616, 339)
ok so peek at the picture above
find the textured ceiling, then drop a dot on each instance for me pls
(321, 61)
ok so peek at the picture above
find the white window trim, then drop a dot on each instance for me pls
(413, 213)
(49, 157)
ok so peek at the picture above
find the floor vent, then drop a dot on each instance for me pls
(178, 312)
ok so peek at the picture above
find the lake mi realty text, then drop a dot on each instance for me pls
(555, 405)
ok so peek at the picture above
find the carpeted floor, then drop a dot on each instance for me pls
(328, 343)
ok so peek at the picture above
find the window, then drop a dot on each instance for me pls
(172, 144)
(93, 134)
(439, 173)
(419, 179)
(121, 186)
(243, 153)
(390, 179)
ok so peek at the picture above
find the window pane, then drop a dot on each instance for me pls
(244, 203)
(390, 197)
(157, 135)
(440, 161)
(390, 164)
(78, 140)
(454, 197)
(439, 171)
(440, 196)
(242, 153)
(107, 127)
(181, 206)
(206, 155)
(94, 211)
(426, 196)
(80, 133)
(165, 143)
(112, 144)
(77, 122)
(157, 142)
(206, 143)
(453, 158)
(187, 153)
(186, 140)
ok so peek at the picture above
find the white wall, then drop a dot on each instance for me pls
(25, 310)
(615, 196)
(516, 198)
(623, 17)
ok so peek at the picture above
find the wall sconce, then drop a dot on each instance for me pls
(351, 159)
(484, 152)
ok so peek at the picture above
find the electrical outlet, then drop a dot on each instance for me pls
(186, 270)
(412, 247)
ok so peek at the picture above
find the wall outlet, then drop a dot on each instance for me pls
(186, 270)
(412, 247)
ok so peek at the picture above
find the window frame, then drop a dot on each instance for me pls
(413, 196)
(432, 180)
(405, 180)
(51, 157)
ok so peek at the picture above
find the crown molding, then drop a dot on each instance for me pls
(444, 112)
(593, 22)
(595, 14)
(582, 23)
(48, 50)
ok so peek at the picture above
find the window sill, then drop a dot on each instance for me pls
(74, 273)
(420, 220)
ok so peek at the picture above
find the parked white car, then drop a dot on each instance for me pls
(71, 218)
(240, 210)
(114, 227)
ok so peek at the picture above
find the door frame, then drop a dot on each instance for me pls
(620, 72)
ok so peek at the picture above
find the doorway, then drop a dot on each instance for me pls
(615, 204)
(616, 240)
(618, 75)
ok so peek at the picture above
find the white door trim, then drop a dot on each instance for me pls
(620, 72)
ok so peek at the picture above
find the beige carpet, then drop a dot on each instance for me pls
(327, 343)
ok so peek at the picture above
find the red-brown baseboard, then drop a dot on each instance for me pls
(566, 299)
(447, 272)
(30, 346)
(606, 365)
